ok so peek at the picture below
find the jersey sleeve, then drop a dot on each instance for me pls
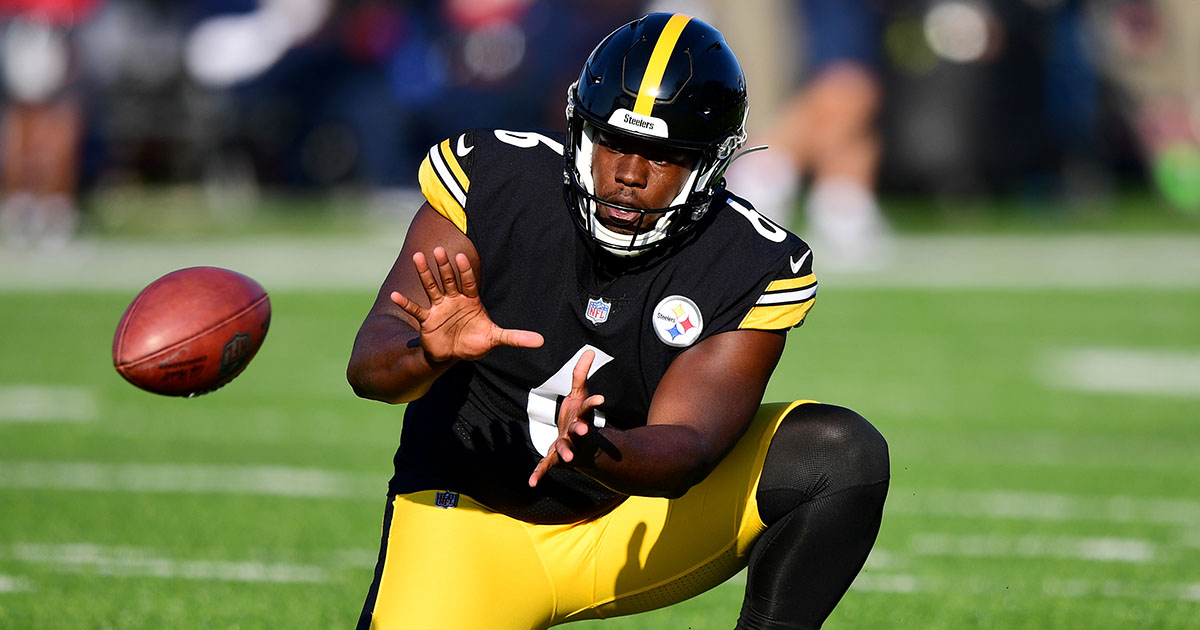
(445, 177)
(787, 298)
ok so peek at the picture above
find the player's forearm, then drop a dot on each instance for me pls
(387, 365)
(655, 460)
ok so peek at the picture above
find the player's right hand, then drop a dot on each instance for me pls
(456, 326)
(575, 423)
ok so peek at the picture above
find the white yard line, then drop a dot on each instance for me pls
(1053, 587)
(1123, 371)
(46, 403)
(1045, 506)
(135, 562)
(312, 482)
(190, 478)
(14, 584)
(1081, 587)
(1100, 549)
(276, 263)
(889, 583)
(942, 262)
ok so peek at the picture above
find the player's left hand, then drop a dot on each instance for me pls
(456, 326)
(574, 421)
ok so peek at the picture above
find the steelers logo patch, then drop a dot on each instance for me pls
(677, 321)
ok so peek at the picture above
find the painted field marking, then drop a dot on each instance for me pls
(46, 403)
(1100, 548)
(1027, 262)
(1045, 506)
(190, 478)
(1078, 587)
(1053, 587)
(873, 581)
(889, 583)
(135, 562)
(1124, 371)
(14, 584)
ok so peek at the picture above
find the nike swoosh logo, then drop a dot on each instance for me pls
(463, 149)
(797, 264)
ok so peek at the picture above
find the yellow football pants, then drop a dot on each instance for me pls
(469, 568)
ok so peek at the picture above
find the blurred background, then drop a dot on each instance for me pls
(1057, 105)
(1003, 198)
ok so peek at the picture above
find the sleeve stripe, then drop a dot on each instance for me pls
(452, 162)
(776, 317)
(439, 197)
(787, 297)
(792, 283)
(439, 165)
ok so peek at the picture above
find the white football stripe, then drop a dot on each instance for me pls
(358, 263)
(1045, 506)
(1124, 371)
(46, 403)
(191, 478)
(1082, 587)
(1050, 586)
(889, 583)
(13, 584)
(979, 584)
(135, 562)
(1101, 549)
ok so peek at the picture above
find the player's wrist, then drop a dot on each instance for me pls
(430, 360)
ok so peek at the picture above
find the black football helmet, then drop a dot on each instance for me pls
(664, 78)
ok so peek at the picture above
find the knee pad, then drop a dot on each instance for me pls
(817, 451)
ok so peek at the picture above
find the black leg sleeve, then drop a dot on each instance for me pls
(821, 496)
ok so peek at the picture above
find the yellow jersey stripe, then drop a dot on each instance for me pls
(792, 283)
(658, 64)
(452, 162)
(439, 197)
(776, 317)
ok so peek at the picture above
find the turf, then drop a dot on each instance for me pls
(1014, 503)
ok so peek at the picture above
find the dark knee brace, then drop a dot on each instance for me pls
(821, 496)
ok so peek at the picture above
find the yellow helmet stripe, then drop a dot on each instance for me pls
(658, 64)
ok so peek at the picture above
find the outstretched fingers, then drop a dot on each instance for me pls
(543, 467)
(589, 405)
(426, 275)
(409, 306)
(449, 282)
(580, 373)
(516, 338)
(466, 276)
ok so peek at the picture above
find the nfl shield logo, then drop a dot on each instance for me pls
(446, 500)
(597, 310)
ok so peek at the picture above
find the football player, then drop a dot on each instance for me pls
(583, 327)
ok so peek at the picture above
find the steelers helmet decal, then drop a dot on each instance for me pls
(664, 78)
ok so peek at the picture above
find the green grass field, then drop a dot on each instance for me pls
(1043, 446)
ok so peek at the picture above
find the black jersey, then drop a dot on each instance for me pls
(484, 424)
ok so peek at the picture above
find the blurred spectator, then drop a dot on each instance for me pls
(983, 97)
(826, 133)
(42, 121)
(361, 99)
(1150, 47)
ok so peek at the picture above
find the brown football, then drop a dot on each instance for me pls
(191, 331)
